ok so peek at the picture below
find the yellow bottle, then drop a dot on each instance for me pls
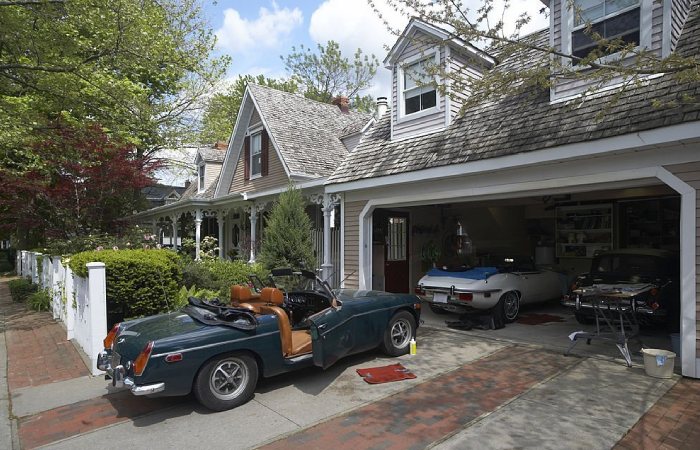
(413, 346)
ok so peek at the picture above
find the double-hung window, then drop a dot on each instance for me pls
(256, 155)
(200, 177)
(609, 19)
(419, 92)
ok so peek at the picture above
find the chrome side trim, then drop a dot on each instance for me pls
(159, 355)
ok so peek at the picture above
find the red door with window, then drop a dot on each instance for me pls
(396, 253)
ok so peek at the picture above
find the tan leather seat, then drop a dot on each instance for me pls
(294, 342)
(243, 294)
(254, 308)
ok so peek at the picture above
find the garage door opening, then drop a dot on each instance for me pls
(530, 237)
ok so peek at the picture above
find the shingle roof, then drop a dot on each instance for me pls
(530, 122)
(212, 154)
(306, 132)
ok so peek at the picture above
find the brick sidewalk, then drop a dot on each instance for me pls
(672, 423)
(37, 350)
(434, 409)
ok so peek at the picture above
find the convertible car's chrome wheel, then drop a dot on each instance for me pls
(399, 332)
(226, 382)
(511, 306)
(228, 379)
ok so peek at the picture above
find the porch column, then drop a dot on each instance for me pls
(197, 232)
(329, 203)
(253, 210)
(221, 221)
(173, 240)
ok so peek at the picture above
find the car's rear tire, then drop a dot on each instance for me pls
(510, 302)
(226, 382)
(398, 334)
(437, 309)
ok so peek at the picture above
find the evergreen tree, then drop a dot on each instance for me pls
(287, 239)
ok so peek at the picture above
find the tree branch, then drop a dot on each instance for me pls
(30, 2)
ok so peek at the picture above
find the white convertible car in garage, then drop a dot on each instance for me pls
(508, 285)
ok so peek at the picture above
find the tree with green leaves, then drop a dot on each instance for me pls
(327, 74)
(287, 237)
(221, 110)
(136, 68)
(599, 60)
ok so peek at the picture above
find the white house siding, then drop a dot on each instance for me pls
(276, 176)
(411, 127)
(690, 173)
(351, 226)
(679, 12)
(460, 62)
(556, 18)
(569, 87)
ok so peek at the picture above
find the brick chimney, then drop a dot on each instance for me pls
(343, 103)
(221, 145)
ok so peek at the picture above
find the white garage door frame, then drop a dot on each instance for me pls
(568, 184)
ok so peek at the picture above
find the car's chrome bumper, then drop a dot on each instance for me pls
(587, 305)
(121, 380)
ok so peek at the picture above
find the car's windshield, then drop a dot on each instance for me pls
(630, 268)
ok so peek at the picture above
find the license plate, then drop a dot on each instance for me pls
(440, 297)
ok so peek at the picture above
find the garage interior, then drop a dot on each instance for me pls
(560, 232)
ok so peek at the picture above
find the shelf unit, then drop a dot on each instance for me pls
(581, 231)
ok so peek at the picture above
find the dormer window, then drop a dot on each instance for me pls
(610, 19)
(256, 155)
(200, 177)
(417, 86)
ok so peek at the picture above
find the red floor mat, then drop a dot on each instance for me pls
(393, 372)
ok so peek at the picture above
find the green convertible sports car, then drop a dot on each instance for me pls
(219, 351)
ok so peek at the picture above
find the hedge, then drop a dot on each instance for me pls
(219, 276)
(21, 288)
(139, 282)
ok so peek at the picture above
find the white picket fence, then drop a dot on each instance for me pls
(80, 303)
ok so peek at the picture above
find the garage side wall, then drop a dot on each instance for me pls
(351, 225)
(690, 174)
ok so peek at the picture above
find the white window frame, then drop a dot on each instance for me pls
(432, 53)
(201, 176)
(252, 132)
(568, 28)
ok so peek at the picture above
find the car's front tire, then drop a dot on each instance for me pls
(510, 302)
(226, 382)
(398, 334)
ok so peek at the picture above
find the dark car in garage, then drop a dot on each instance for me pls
(645, 281)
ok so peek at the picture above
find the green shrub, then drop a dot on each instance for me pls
(139, 282)
(21, 288)
(39, 300)
(7, 260)
(218, 275)
(287, 241)
(184, 294)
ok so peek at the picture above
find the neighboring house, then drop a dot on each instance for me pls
(278, 138)
(550, 174)
(161, 194)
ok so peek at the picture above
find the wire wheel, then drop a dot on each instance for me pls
(511, 306)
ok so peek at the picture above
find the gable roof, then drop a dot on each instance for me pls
(530, 122)
(439, 34)
(305, 133)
